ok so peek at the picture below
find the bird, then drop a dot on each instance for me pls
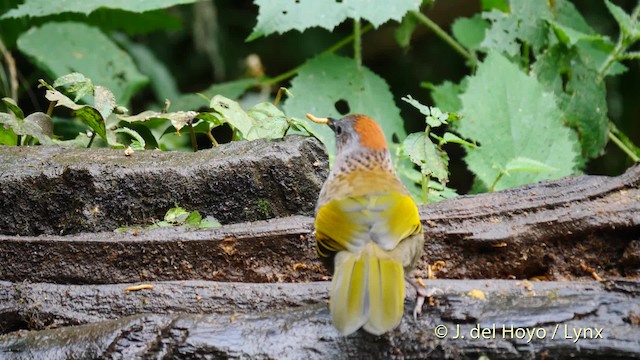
(367, 229)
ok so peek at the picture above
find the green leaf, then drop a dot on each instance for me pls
(88, 114)
(37, 8)
(328, 79)
(510, 115)
(525, 164)
(622, 18)
(178, 119)
(105, 102)
(269, 122)
(25, 127)
(502, 34)
(405, 30)
(13, 107)
(451, 138)
(502, 5)
(138, 143)
(176, 215)
(470, 31)
(583, 98)
(422, 152)
(61, 48)
(446, 96)
(263, 121)
(532, 28)
(570, 37)
(7, 136)
(434, 116)
(193, 219)
(231, 90)
(77, 83)
(284, 15)
(208, 224)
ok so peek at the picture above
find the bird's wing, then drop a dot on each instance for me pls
(350, 223)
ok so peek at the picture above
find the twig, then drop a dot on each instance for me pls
(623, 147)
(444, 36)
(335, 47)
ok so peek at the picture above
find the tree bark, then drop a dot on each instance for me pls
(514, 320)
(573, 228)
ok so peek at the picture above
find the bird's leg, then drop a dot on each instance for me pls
(421, 293)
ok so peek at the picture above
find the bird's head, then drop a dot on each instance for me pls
(355, 132)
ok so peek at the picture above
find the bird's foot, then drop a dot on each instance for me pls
(421, 293)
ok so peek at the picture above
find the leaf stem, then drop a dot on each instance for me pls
(330, 50)
(192, 133)
(444, 36)
(357, 42)
(93, 136)
(623, 147)
(612, 58)
(495, 182)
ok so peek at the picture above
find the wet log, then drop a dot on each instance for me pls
(572, 228)
(550, 320)
(65, 190)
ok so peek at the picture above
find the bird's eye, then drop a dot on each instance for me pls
(338, 130)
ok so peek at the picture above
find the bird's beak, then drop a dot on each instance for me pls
(332, 123)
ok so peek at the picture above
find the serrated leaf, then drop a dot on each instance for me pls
(325, 80)
(622, 18)
(59, 48)
(424, 153)
(570, 36)
(510, 115)
(470, 31)
(531, 26)
(434, 116)
(284, 15)
(38, 8)
(525, 164)
(13, 107)
(88, 114)
(502, 34)
(583, 98)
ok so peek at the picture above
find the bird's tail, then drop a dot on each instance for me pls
(367, 290)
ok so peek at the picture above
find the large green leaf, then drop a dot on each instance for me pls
(511, 116)
(62, 48)
(36, 8)
(325, 80)
(284, 15)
